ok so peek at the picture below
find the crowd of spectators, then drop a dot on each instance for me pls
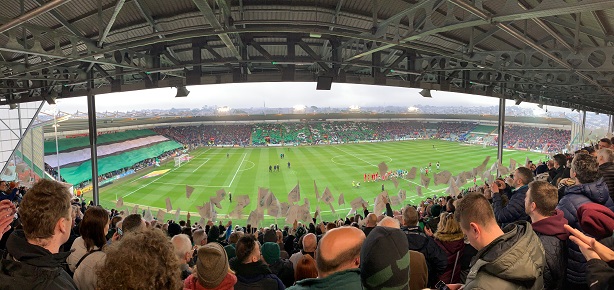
(536, 138)
(544, 227)
(530, 138)
(203, 135)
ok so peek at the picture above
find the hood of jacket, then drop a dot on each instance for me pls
(451, 247)
(516, 257)
(596, 191)
(19, 248)
(251, 272)
(552, 226)
(449, 237)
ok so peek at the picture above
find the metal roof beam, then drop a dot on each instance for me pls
(209, 15)
(314, 55)
(107, 29)
(588, 31)
(483, 15)
(555, 9)
(61, 20)
(32, 14)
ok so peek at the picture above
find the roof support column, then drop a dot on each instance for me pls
(93, 134)
(501, 129)
(582, 141)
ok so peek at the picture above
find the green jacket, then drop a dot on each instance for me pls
(515, 260)
(345, 280)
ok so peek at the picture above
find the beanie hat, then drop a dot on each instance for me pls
(270, 252)
(174, 229)
(596, 220)
(270, 236)
(387, 269)
(212, 265)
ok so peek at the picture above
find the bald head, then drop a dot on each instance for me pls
(371, 220)
(389, 223)
(310, 242)
(339, 250)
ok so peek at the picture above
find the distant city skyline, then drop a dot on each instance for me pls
(281, 95)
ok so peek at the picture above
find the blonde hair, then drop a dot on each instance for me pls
(448, 228)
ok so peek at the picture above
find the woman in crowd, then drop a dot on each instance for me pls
(306, 268)
(87, 252)
(449, 237)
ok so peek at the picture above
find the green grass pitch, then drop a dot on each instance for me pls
(333, 166)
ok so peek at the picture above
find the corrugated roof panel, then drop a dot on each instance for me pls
(79, 8)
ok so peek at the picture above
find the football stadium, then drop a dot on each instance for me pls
(307, 144)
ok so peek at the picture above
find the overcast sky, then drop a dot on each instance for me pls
(284, 95)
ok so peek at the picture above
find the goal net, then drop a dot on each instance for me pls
(182, 159)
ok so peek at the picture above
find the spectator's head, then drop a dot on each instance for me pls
(306, 268)
(234, 237)
(584, 169)
(4, 186)
(147, 248)
(541, 200)
(450, 206)
(550, 164)
(212, 265)
(310, 243)
(371, 220)
(173, 229)
(477, 220)
(94, 227)
(605, 143)
(339, 250)
(270, 252)
(384, 259)
(248, 250)
(389, 223)
(448, 228)
(45, 214)
(199, 237)
(559, 160)
(605, 155)
(182, 247)
(522, 176)
(133, 223)
(270, 235)
(116, 219)
(410, 216)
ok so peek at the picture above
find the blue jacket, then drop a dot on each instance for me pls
(575, 196)
(514, 210)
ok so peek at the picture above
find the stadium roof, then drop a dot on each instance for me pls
(553, 52)
(75, 125)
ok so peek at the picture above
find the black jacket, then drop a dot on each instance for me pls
(436, 258)
(284, 270)
(598, 273)
(32, 267)
(255, 275)
(554, 239)
(557, 174)
(514, 210)
(607, 171)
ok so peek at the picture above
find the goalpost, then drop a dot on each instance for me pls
(182, 159)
